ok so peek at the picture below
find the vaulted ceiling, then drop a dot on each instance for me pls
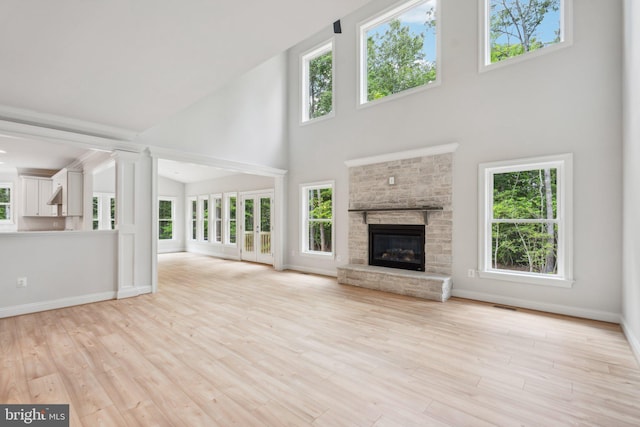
(130, 64)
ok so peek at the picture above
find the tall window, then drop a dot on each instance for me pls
(399, 50)
(112, 212)
(317, 218)
(5, 203)
(216, 205)
(317, 82)
(526, 214)
(513, 28)
(231, 216)
(97, 214)
(166, 215)
(203, 218)
(192, 203)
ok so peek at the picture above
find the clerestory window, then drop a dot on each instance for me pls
(523, 28)
(317, 82)
(399, 50)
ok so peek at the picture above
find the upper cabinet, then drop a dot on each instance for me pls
(36, 192)
(70, 183)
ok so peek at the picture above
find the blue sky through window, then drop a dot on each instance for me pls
(546, 32)
(416, 18)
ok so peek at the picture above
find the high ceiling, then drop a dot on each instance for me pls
(130, 64)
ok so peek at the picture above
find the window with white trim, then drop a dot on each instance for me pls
(399, 50)
(523, 28)
(97, 212)
(203, 218)
(317, 218)
(192, 206)
(231, 209)
(216, 220)
(317, 82)
(103, 211)
(6, 203)
(166, 215)
(526, 220)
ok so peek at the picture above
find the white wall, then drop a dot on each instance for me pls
(104, 181)
(631, 156)
(170, 188)
(565, 101)
(229, 184)
(243, 122)
(62, 269)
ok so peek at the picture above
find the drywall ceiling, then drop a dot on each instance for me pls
(188, 172)
(23, 153)
(130, 64)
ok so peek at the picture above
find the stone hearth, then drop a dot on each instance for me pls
(408, 180)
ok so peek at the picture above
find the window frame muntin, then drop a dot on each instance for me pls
(304, 216)
(305, 58)
(484, 38)
(385, 15)
(564, 219)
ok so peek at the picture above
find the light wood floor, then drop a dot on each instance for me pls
(229, 343)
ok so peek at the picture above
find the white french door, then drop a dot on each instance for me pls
(257, 219)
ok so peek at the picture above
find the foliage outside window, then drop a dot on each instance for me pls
(166, 214)
(231, 215)
(203, 218)
(216, 203)
(317, 219)
(5, 203)
(399, 50)
(517, 27)
(193, 218)
(103, 211)
(525, 219)
(112, 212)
(96, 213)
(317, 82)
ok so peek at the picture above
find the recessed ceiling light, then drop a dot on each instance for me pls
(3, 152)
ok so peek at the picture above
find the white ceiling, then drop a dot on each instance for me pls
(133, 63)
(189, 172)
(22, 153)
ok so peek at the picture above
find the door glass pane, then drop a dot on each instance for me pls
(248, 225)
(265, 225)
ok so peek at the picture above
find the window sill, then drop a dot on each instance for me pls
(530, 279)
(317, 254)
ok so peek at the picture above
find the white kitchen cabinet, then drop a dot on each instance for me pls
(35, 194)
(71, 183)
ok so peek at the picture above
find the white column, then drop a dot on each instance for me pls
(126, 221)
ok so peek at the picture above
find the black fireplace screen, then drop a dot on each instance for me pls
(397, 246)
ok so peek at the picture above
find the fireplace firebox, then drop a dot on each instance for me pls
(397, 246)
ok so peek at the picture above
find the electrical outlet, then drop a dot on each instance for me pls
(22, 282)
(471, 273)
(339, 258)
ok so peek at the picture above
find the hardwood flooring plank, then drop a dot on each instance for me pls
(233, 343)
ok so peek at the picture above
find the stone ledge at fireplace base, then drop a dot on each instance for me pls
(404, 282)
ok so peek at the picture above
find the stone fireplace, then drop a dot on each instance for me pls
(401, 193)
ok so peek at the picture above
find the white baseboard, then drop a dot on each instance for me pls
(133, 291)
(634, 341)
(540, 306)
(52, 305)
(320, 271)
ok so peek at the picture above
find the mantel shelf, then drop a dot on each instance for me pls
(424, 209)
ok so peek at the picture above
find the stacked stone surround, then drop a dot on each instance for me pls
(419, 181)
